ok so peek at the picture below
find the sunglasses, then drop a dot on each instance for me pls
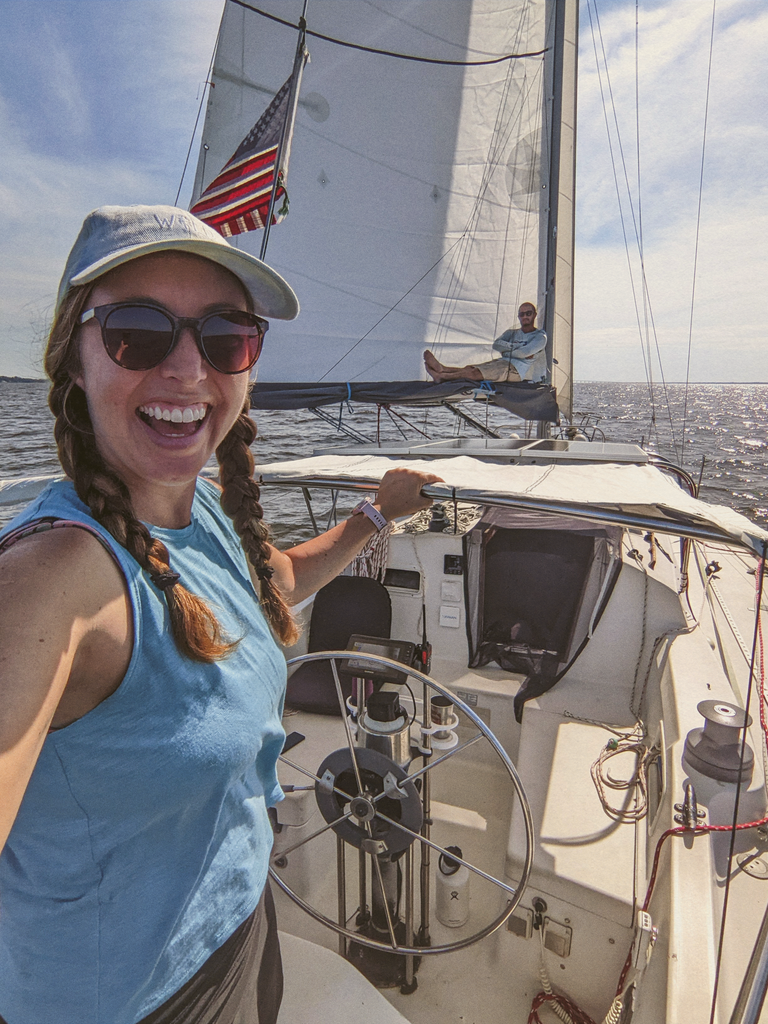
(138, 336)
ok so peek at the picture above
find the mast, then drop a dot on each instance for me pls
(558, 321)
(293, 100)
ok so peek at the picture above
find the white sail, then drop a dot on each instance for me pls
(418, 192)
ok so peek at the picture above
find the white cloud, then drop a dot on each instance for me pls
(731, 304)
(103, 115)
(57, 69)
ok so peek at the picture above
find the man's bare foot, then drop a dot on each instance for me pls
(434, 368)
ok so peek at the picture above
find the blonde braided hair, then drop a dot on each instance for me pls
(196, 631)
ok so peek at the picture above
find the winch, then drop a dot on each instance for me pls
(716, 749)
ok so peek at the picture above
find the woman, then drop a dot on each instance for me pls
(140, 685)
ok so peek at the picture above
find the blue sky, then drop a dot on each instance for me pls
(98, 99)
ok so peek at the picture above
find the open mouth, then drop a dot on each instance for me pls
(173, 420)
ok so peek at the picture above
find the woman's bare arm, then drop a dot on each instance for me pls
(302, 570)
(60, 597)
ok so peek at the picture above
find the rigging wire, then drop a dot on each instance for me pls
(631, 208)
(698, 219)
(757, 644)
(390, 53)
(616, 181)
(652, 425)
(403, 296)
(208, 82)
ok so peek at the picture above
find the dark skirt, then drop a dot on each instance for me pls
(243, 978)
(241, 983)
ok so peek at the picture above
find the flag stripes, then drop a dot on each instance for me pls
(237, 200)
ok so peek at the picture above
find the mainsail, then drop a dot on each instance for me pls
(419, 191)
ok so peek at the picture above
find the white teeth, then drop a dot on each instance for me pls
(189, 414)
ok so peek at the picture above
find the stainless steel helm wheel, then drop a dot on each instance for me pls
(357, 787)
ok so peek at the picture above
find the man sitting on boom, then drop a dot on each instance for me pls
(523, 356)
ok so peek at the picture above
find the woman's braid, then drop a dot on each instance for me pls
(195, 629)
(240, 500)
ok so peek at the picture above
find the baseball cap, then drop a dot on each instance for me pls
(113, 235)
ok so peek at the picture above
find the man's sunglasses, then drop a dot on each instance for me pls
(138, 336)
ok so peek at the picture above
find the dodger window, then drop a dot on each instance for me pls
(535, 589)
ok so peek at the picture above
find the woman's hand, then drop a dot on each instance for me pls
(400, 492)
(303, 569)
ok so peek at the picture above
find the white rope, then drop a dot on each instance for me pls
(638, 780)
(372, 560)
(459, 519)
(614, 1014)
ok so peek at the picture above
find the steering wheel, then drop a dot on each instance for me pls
(372, 803)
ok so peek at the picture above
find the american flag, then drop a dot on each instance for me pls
(237, 200)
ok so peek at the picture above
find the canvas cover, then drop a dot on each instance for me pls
(529, 401)
(564, 571)
(608, 490)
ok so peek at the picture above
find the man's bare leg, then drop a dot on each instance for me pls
(439, 372)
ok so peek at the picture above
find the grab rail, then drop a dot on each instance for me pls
(660, 523)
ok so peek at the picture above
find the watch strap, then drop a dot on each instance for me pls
(367, 509)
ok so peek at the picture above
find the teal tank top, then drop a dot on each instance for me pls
(143, 838)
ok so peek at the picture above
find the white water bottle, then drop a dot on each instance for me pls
(452, 890)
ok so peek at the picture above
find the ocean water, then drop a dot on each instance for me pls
(725, 438)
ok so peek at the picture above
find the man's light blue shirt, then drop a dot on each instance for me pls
(527, 352)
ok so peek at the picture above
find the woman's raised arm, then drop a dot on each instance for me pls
(302, 570)
(65, 641)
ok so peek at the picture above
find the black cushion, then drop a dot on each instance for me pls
(345, 606)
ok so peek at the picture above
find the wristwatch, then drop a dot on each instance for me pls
(367, 509)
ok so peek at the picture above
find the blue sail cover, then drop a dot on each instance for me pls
(529, 401)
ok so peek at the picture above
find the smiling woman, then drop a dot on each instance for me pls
(178, 376)
(139, 729)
